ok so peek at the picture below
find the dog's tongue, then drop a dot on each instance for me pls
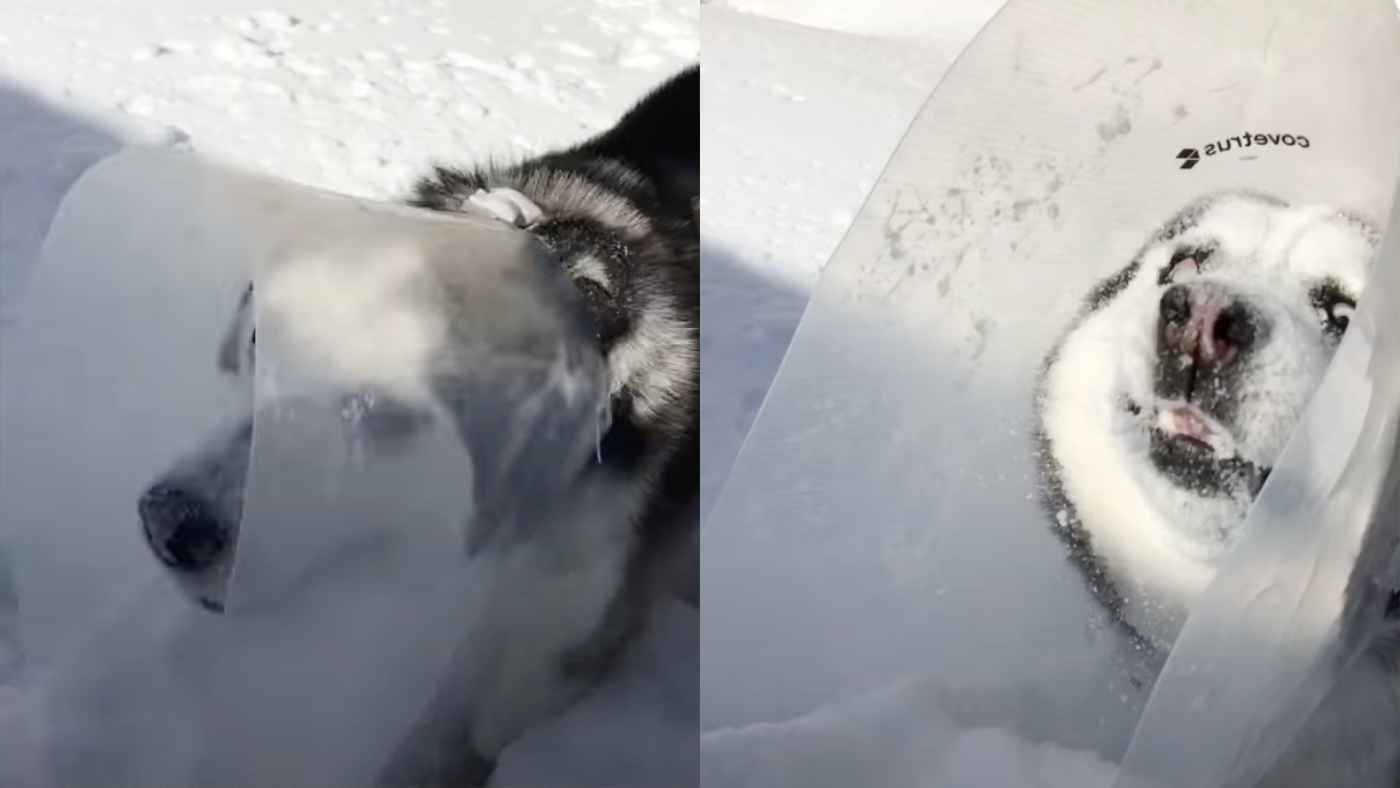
(1190, 422)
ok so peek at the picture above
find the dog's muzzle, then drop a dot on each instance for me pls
(1204, 333)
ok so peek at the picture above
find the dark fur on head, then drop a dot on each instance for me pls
(630, 198)
(621, 213)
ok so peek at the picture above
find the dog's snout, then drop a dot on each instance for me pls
(1205, 331)
(1209, 328)
(1175, 308)
(181, 527)
(1233, 330)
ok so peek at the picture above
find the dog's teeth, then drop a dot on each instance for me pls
(1190, 422)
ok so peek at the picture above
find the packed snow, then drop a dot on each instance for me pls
(798, 123)
(900, 735)
(357, 97)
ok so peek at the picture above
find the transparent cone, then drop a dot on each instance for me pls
(250, 435)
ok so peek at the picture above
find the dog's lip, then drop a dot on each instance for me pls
(1189, 424)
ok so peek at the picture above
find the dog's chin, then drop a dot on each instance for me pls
(204, 591)
(203, 599)
(1196, 452)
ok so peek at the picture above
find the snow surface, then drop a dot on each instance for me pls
(354, 97)
(941, 28)
(798, 123)
(894, 737)
(357, 98)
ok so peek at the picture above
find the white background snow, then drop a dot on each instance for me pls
(803, 103)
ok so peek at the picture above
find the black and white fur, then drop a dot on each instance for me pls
(621, 214)
(1163, 407)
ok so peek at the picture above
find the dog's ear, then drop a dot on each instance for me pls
(660, 139)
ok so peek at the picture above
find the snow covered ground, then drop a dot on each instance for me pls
(798, 123)
(803, 104)
(356, 98)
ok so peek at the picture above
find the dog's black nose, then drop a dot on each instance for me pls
(181, 528)
(1206, 326)
(1234, 328)
(1175, 307)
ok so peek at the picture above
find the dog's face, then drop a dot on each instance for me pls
(190, 516)
(1166, 404)
(620, 215)
(639, 290)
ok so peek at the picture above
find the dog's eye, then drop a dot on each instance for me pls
(609, 320)
(609, 317)
(1340, 314)
(1334, 307)
(592, 289)
(1185, 258)
(387, 422)
(592, 274)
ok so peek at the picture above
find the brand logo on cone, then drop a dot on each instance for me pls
(1190, 157)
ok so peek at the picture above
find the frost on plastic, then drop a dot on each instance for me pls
(999, 466)
(226, 394)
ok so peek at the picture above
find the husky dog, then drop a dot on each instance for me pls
(1163, 407)
(620, 213)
